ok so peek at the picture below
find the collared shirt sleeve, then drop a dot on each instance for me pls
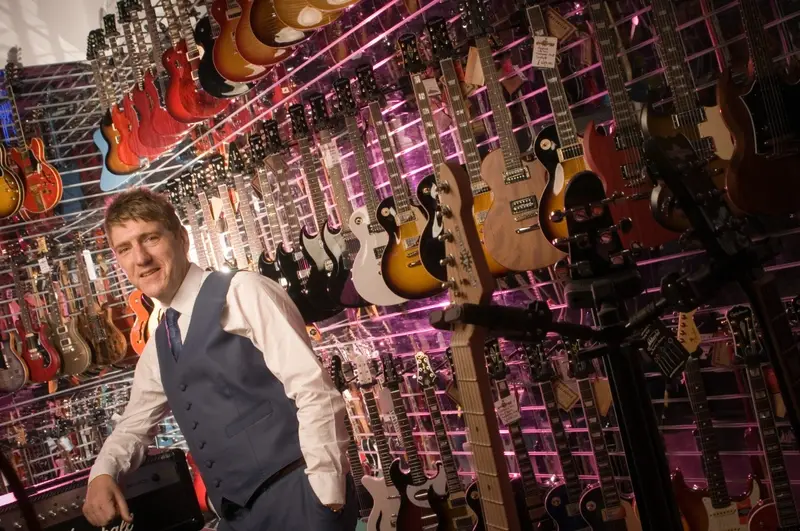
(126, 447)
(257, 308)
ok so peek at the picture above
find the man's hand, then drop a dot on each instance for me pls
(105, 501)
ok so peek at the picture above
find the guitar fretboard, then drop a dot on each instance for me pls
(173, 26)
(376, 425)
(192, 52)
(24, 310)
(428, 124)
(362, 165)
(708, 439)
(273, 223)
(119, 61)
(407, 436)
(454, 485)
(199, 238)
(608, 484)
(356, 468)
(333, 165)
(99, 80)
(152, 29)
(565, 458)
(235, 236)
(133, 51)
(401, 201)
(248, 219)
(279, 169)
(141, 60)
(213, 234)
(312, 180)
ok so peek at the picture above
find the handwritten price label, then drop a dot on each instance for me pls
(508, 410)
(544, 51)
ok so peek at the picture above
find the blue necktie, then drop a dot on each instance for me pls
(174, 332)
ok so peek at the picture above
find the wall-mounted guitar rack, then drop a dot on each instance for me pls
(710, 31)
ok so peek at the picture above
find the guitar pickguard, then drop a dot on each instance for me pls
(765, 133)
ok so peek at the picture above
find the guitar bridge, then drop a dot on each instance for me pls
(689, 118)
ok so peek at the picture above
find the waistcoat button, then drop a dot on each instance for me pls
(209, 464)
(183, 387)
(217, 483)
(194, 426)
(202, 444)
(188, 406)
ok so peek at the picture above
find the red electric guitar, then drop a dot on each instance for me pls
(141, 306)
(43, 186)
(186, 100)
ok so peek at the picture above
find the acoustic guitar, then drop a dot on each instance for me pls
(12, 188)
(763, 118)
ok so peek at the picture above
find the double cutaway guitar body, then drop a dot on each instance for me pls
(76, 356)
(15, 374)
(761, 180)
(210, 78)
(303, 292)
(43, 186)
(512, 228)
(341, 288)
(401, 263)
(268, 267)
(593, 512)
(40, 356)
(185, 102)
(431, 247)
(698, 512)
(163, 123)
(609, 163)
(319, 257)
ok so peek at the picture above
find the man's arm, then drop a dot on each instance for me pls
(259, 309)
(126, 447)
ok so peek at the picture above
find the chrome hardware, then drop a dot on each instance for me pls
(447, 261)
(445, 236)
(446, 211)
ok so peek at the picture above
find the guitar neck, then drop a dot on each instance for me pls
(99, 82)
(469, 146)
(133, 52)
(273, 223)
(429, 126)
(142, 60)
(199, 240)
(402, 202)
(356, 468)
(608, 485)
(333, 164)
(211, 225)
(565, 458)
(771, 444)
(119, 60)
(192, 52)
(51, 289)
(233, 227)
(312, 179)
(22, 144)
(376, 424)
(454, 485)
(672, 53)
(280, 170)
(708, 439)
(500, 112)
(362, 165)
(407, 436)
(757, 42)
(152, 29)
(248, 218)
(24, 309)
(173, 26)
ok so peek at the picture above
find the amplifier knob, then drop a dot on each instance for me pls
(52, 513)
(63, 509)
(75, 506)
(41, 517)
(17, 525)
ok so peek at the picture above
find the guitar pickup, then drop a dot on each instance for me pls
(614, 513)
(570, 152)
(515, 176)
(234, 12)
(379, 252)
(689, 118)
(193, 56)
(525, 208)
(408, 243)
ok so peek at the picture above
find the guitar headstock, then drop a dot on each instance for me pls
(134, 6)
(216, 170)
(746, 343)
(337, 374)
(391, 378)
(688, 335)
(110, 25)
(197, 180)
(297, 115)
(579, 368)
(367, 84)
(236, 161)
(91, 46)
(448, 352)
(123, 12)
(344, 97)
(426, 376)
(495, 363)
(13, 72)
(363, 369)
(441, 45)
(176, 188)
(540, 367)
(272, 137)
(474, 18)
(319, 112)
(258, 149)
(409, 50)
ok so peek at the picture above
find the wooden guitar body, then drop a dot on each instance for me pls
(122, 128)
(453, 515)
(764, 517)
(269, 268)
(109, 180)
(229, 62)
(386, 506)
(699, 514)
(15, 374)
(271, 30)
(76, 356)
(296, 288)
(248, 45)
(504, 236)
(482, 202)
(198, 103)
(42, 359)
(178, 68)
(401, 264)
(340, 282)
(146, 133)
(366, 273)
(318, 255)
(163, 123)
(758, 183)
(431, 249)
(116, 338)
(210, 79)
(141, 311)
(593, 507)
(474, 503)
(134, 140)
(12, 189)
(556, 505)
(607, 161)
(43, 186)
(412, 510)
(117, 158)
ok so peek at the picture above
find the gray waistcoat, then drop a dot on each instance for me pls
(239, 425)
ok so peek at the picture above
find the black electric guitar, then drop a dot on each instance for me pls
(205, 34)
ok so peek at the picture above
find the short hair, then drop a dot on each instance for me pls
(141, 204)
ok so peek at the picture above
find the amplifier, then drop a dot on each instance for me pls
(160, 495)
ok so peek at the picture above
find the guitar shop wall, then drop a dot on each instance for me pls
(248, 170)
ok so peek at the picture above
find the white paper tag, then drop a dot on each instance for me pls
(544, 51)
(330, 155)
(87, 257)
(44, 267)
(507, 409)
(431, 87)
(65, 443)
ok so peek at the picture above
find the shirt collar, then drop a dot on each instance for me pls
(184, 299)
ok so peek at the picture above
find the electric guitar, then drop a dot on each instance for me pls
(427, 189)
(401, 263)
(300, 14)
(712, 508)
(204, 182)
(372, 237)
(530, 498)
(618, 158)
(763, 120)
(142, 307)
(513, 221)
(206, 34)
(229, 62)
(340, 242)
(221, 175)
(255, 243)
(443, 50)
(386, 497)
(253, 50)
(43, 186)
(562, 501)
(14, 373)
(414, 485)
(271, 30)
(41, 358)
(779, 513)
(180, 191)
(451, 509)
(268, 260)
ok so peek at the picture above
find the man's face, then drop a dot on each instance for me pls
(154, 259)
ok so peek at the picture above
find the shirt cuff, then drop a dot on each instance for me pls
(330, 488)
(101, 468)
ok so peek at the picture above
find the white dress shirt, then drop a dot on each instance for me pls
(258, 309)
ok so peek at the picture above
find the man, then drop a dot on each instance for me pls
(232, 360)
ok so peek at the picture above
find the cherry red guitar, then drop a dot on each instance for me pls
(141, 307)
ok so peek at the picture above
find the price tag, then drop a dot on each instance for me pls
(387, 407)
(565, 395)
(473, 72)
(330, 155)
(65, 443)
(87, 257)
(602, 396)
(44, 266)
(558, 26)
(431, 87)
(544, 51)
(507, 409)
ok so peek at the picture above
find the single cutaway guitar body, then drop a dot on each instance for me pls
(163, 123)
(12, 189)
(43, 186)
(135, 140)
(210, 79)
(698, 512)
(248, 45)
(593, 512)
(229, 62)
(609, 163)
(15, 374)
(401, 264)
(431, 248)
(558, 509)
(270, 30)
(185, 102)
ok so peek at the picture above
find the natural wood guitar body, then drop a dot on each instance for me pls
(500, 230)
(698, 514)
(227, 59)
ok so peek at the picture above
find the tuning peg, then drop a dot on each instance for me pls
(448, 260)
(562, 269)
(449, 284)
(581, 239)
(446, 211)
(582, 268)
(445, 236)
